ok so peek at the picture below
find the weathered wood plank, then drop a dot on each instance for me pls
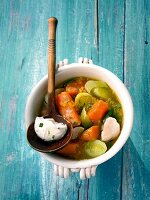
(111, 35)
(109, 54)
(136, 162)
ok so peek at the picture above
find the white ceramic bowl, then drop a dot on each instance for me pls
(86, 167)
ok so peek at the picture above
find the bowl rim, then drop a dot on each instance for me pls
(69, 163)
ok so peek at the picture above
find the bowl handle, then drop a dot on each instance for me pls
(81, 60)
(85, 60)
(84, 172)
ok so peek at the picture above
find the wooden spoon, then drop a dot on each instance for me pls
(34, 141)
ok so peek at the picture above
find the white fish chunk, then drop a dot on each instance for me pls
(111, 129)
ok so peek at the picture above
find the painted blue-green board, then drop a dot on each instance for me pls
(115, 34)
(136, 155)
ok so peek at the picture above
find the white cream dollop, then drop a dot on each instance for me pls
(48, 129)
(111, 129)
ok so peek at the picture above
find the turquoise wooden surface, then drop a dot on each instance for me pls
(119, 41)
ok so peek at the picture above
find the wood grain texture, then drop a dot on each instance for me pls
(136, 157)
(109, 54)
(118, 41)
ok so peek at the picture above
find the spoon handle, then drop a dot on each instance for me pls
(52, 24)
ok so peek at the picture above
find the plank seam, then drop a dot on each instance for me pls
(124, 39)
(88, 188)
(124, 35)
(146, 27)
(96, 26)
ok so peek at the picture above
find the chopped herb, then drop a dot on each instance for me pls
(75, 123)
(53, 137)
(109, 114)
(41, 125)
(88, 106)
(68, 81)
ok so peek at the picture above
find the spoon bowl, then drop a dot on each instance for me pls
(40, 145)
(34, 141)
